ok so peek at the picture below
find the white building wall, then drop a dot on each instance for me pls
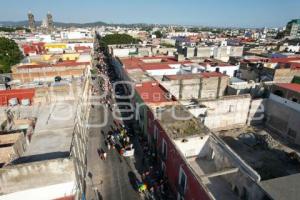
(123, 52)
(43, 193)
(229, 70)
(194, 146)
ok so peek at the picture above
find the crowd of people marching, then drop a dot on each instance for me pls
(152, 183)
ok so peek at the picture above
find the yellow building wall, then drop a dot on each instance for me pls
(55, 46)
(70, 56)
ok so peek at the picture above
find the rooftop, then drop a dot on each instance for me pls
(34, 175)
(290, 86)
(217, 185)
(283, 188)
(267, 155)
(53, 131)
(150, 63)
(153, 92)
(138, 75)
(178, 122)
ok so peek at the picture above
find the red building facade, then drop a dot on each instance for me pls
(182, 180)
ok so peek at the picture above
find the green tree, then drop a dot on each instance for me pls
(9, 29)
(10, 54)
(158, 34)
(118, 39)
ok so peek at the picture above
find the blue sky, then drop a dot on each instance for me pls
(242, 13)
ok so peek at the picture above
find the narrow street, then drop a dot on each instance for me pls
(113, 178)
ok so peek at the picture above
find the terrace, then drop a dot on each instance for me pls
(179, 123)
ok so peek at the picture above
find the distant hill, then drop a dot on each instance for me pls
(57, 24)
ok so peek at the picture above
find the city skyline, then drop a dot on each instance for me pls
(205, 13)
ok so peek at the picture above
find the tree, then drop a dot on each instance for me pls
(10, 29)
(118, 39)
(158, 34)
(10, 54)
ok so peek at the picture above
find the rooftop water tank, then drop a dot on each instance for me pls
(25, 102)
(13, 102)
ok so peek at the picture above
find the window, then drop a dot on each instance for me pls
(182, 181)
(164, 149)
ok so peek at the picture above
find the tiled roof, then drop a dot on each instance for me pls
(152, 92)
(290, 86)
(134, 63)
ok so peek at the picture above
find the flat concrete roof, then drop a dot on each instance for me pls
(283, 188)
(179, 122)
(139, 76)
(34, 175)
(53, 132)
(217, 185)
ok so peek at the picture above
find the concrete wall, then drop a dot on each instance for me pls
(285, 75)
(48, 76)
(193, 146)
(17, 142)
(236, 51)
(189, 52)
(286, 102)
(228, 70)
(227, 112)
(164, 51)
(204, 52)
(123, 52)
(240, 89)
(80, 140)
(202, 88)
(283, 120)
(221, 53)
(248, 75)
(242, 181)
(257, 112)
